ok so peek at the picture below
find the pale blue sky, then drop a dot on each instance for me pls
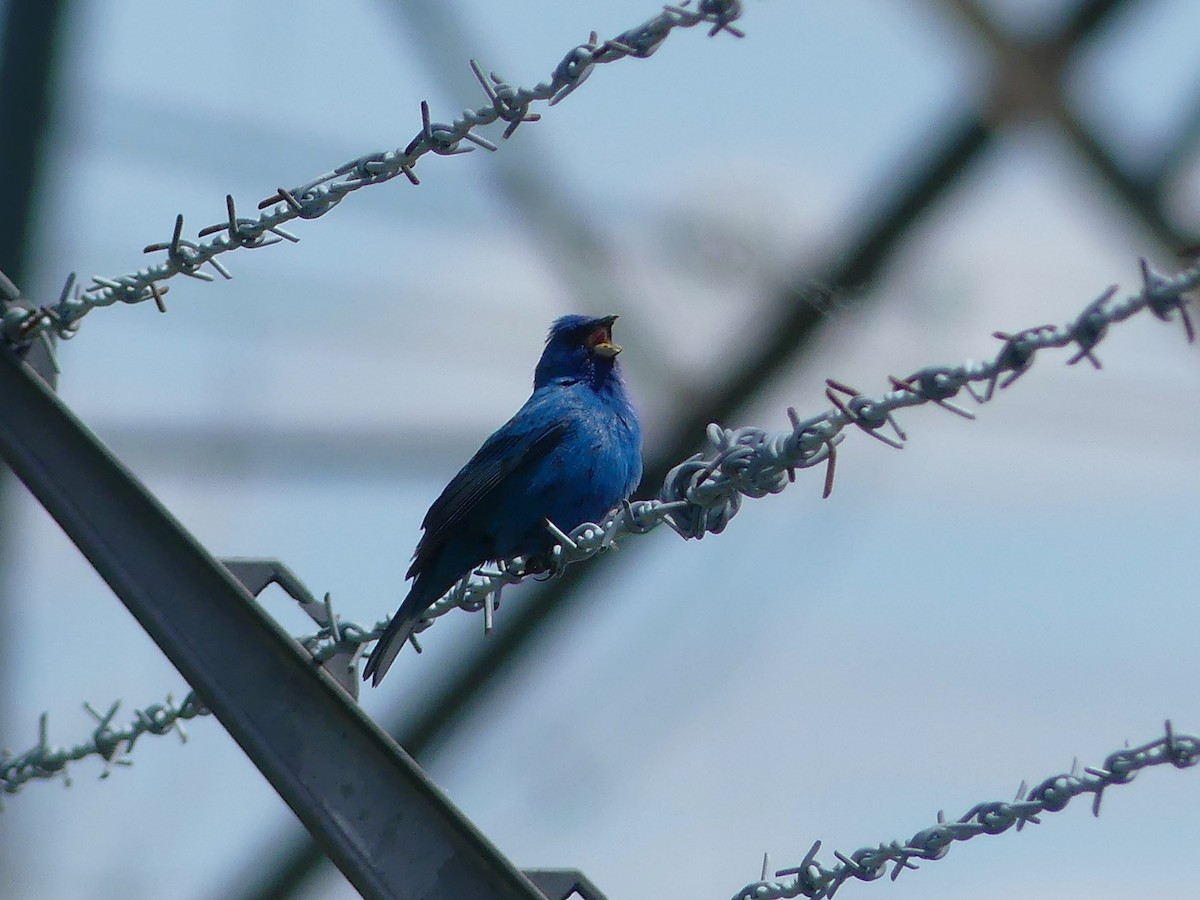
(997, 598)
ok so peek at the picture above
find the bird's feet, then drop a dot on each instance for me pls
(544, 566)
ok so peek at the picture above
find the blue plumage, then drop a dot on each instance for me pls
(570, 454)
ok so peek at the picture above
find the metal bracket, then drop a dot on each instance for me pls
(256, 575)
(563, 884)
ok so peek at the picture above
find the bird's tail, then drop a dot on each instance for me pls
(426, 588)
(388, 647)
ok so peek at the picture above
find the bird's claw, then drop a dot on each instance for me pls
(544, 566)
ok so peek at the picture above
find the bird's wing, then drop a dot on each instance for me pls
(523, 441)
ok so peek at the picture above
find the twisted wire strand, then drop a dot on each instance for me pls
(699, 496)
(506, 102)
(45, 761)
(813, 880)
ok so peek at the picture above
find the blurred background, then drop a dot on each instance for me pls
(858, 188)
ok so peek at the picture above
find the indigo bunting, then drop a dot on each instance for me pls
(570, 454)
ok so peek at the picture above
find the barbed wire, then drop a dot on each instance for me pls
(314, 198)
(700, 495)
(811, 879)
(45, 761)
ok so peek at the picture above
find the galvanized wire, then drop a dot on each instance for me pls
(314, 198)
(702, 494)
(45, 760)
(813, 880)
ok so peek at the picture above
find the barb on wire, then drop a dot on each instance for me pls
(110, 743)
(701, 495)
(815, 881)
(506, 102)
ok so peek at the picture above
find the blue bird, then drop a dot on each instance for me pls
(570, 454)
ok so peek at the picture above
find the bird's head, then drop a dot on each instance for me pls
(578, 348)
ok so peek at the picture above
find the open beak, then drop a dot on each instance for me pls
(600, 340)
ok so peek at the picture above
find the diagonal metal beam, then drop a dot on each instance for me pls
(1087, 19)
(1028, 81)
(1179, 151)
(373, 811)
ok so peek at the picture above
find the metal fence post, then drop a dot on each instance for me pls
(386, 826)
